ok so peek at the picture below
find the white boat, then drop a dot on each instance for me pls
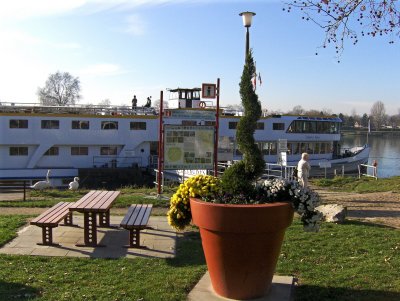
(69, 140)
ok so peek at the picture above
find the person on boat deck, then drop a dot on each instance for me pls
(134, 102)
(303, 170)
(148, 103)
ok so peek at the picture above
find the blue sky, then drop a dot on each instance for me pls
(120, 48)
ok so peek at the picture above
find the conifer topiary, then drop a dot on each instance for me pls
(240, 177)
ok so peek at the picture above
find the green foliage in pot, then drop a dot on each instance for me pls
(240, 177)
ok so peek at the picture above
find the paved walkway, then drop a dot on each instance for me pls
(159, 242)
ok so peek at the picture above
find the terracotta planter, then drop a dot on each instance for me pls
(241, 244)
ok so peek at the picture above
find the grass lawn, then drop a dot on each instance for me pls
(61, 278)
(363, 185)
(353, 261)
(128, 196)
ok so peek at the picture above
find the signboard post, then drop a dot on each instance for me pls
(325, 164)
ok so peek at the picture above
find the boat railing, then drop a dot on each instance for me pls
(274, 170)
(34, 108)
(116, 162)
(368, 171)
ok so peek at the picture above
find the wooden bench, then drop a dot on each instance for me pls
(136, 219)
(50, 219)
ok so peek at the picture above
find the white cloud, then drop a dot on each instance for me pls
(16, 38)
(22, 9)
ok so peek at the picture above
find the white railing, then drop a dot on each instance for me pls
(273, 170)
(367, 171)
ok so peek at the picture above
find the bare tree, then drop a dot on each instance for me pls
(157, 104)
(339, 18)
(378, 114)
(105, 102)
(60, 89)
(297, 110)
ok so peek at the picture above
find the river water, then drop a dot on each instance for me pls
(385, 150)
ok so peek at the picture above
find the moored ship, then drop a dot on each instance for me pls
(68, 140)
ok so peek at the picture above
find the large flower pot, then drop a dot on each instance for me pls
(241, 244)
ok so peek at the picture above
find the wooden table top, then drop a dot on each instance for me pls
(95, 201)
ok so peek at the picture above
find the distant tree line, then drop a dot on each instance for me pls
(377, 118)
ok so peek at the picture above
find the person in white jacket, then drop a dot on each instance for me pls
(303, 170)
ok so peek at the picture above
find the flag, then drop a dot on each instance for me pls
(254, 79)
(259, 78)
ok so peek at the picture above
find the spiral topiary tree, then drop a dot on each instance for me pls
(240, 177)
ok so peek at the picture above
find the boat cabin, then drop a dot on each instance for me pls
(184, 98)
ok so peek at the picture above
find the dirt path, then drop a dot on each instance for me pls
(378, 207)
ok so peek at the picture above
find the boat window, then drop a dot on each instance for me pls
(268, 148)
(278, 126)
(52, 151)
(80, 125)
(18, 124)
(50, 124)
(209, 123)
(272, 148)
(232, 125)
(18, 151)
(138, 125)
(260, 126)
(263, 148)
(296, 148)
(317, 148)
(108, 151)
(196, 95)
(79, 151)
(290, 148)
(306, 126)
(109, 125)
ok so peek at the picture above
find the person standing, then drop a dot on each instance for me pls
(148, 103)
(134, 102)
(303, 170)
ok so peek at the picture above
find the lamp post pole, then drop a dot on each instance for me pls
(247, 18)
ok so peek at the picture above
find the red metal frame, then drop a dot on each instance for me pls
(160, 146)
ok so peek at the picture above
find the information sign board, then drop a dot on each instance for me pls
(188, 147)
(282, 145)
(208, 90)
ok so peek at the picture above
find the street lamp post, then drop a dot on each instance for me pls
(247, 18)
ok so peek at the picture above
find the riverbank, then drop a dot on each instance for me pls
(381, 208)
(380, 133)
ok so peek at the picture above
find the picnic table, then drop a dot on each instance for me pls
(94, 203)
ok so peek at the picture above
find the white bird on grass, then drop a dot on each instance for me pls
(75, 184)
(42, 184)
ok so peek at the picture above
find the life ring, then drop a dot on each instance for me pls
(202, 104)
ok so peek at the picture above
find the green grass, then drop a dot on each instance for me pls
(60, 278)
(8, 226)
(353, 261)
(363, 185)
(128, 196)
